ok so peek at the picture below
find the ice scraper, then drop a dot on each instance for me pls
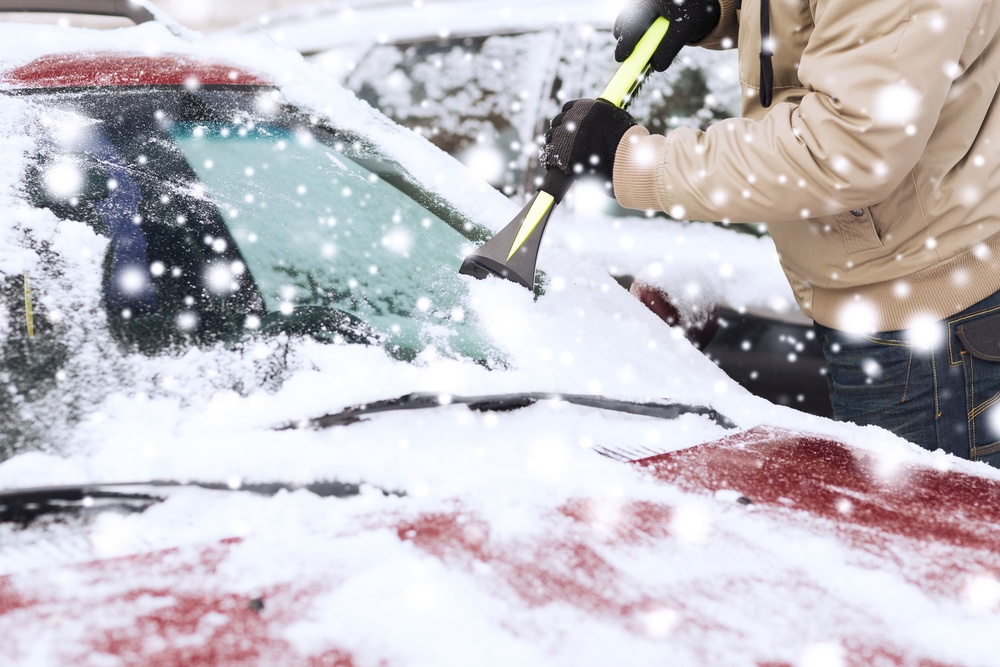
(512, 252)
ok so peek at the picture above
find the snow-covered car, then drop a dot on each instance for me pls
(253, 414)
(480, 80)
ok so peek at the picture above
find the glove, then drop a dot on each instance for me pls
(583, 138)
(690, 21)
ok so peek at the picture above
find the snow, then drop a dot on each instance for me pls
(214, 414)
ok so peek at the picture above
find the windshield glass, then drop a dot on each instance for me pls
(319, 229)
(289, 226)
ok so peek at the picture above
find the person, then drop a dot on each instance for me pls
(869, 141)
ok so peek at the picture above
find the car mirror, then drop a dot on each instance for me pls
(698, 327)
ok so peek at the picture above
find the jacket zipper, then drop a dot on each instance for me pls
(766, 70)
(766, 67)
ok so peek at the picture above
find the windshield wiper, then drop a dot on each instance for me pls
(505, 402)
(22, 506)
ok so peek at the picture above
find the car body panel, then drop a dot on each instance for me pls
(195, 605)
(90, 70)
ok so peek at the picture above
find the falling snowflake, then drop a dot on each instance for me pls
(219, 278)
(133, 280)
(872, 369)
(897, 104)
(63, 180)
(858, 317)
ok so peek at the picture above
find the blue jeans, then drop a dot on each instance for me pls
(938, 387)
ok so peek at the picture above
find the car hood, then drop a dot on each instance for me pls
(768, 545)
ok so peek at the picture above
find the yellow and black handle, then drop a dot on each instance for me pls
(512, 253)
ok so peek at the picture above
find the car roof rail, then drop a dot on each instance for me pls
(138, 12)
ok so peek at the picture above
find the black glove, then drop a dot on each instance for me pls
(583, 138)
(690, 21)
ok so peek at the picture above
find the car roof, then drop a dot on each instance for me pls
(110, 69)
(102, 66)
(322, 27)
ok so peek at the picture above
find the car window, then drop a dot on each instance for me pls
(476, 98)
(487, 100)
(228, 214)
(318, 229)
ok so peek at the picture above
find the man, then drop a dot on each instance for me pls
(870, 143)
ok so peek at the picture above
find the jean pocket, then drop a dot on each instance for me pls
(981, 337)
(867, 376)
(980, 342)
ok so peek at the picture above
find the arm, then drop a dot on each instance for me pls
(874, 77)
(723, 36)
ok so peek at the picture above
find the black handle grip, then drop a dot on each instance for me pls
(556, 183)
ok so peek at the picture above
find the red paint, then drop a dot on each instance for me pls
(657, 300)
(334, 658)
(806, 473)
(12, 599)
(919, 521)
(187, 606)
(236, 634)
(89, 70)
(936, 527)
(538, 572)
(622, 523)
(565, 568)
(181, 613)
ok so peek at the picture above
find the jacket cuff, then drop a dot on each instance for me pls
(724, 35)
(638, 170)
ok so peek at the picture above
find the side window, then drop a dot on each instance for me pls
(487, 100)
(163, 240)
(475, 98)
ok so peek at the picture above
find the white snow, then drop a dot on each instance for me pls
(213, 414)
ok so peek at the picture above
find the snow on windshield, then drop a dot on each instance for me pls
(572, 340)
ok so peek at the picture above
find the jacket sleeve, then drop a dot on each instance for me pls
(723, 36)
(874, 78)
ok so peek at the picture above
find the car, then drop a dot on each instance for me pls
(241, 462)
(481, 81)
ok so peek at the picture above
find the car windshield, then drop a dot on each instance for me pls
(230, 212)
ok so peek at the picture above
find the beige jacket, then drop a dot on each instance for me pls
(877, 166)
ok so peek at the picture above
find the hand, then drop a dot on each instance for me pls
(690, 21)
(584, 138)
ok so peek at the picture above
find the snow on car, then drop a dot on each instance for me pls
(482, 80)
(226, 442)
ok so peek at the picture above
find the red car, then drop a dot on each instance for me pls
(220, 449)
(768, 547)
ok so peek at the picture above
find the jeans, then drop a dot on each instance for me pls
(936, 385)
